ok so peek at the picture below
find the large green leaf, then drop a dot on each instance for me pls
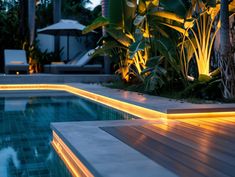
(116, 13)
(168, 15)
(169, 50)
(177, 28)
(232, 6)
(120, 36)
(142, 7)
(129, 13)
(145, 5)
(135, 47)
(98, 22)
(154, 61)
(107, 48)
(138, 20)
(179, 7)
(210, 3)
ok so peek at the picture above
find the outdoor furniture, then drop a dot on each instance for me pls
(78, 65)
(64, 28)
(15, 61)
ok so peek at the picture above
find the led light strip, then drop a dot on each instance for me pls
(75, 166)
(135, 110)
(201, 115)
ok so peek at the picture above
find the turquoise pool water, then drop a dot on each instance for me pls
(25, 133)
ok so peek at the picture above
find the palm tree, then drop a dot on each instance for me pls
(23, 19)
(226, 59)
(56, 10)
(31, 21)
(56, 18)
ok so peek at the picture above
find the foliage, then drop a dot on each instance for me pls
(75, 9)
(197, 29)
(99, 22)
(210, 90)
(44, 16)
(37, 58)
(10, 35)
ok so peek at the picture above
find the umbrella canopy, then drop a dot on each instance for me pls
(63, 28)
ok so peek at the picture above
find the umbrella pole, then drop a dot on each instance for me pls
(67, 48)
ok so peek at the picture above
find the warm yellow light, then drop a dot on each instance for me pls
(201, 115)
(74, 165)
(135, 110)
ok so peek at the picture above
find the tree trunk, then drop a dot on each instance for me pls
(56, 18)
(226, 55)
(56, 10)
(105, 13)
(31, 21)
(23, 20)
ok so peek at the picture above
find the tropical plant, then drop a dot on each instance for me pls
(75, 9)
(159, 40)
(44, 15)
(37, 58)
(130, 38)
(195, 22)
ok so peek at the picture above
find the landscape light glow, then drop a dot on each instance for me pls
(74, 165)
(138, 111)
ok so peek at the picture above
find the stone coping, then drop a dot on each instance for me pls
(104, 155)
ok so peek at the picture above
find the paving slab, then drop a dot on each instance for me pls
(103, 154)
(157, 103)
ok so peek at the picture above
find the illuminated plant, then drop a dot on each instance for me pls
(199, 39)
(130, 35)
(196, 22)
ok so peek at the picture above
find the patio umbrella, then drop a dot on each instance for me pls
(64, 28)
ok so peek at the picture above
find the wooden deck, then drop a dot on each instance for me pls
(189, 147)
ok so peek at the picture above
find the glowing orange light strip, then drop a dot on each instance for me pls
(138, 111)
(74, 165)
(135, 110)
(66, 154)
(201, 115)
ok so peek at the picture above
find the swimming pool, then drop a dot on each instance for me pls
(25, 133)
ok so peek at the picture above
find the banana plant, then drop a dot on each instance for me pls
(198, 25)
(133, 31)
(130, 37)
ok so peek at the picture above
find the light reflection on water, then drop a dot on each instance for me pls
(6, 155)
(25, 133)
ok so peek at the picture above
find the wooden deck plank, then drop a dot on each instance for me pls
(215, 131)
(204, 148)
(201, 140)
(203, 136)
(222, 123)
(163, 160)
(206, 132)
(225, 126)
(188, 147)
(140, 140)
(204, 158)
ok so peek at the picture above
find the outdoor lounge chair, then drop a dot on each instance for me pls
(15, 61)
(78, 65)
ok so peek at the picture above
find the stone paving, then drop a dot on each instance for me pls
(103, 154)
(148, 101)
(106, 156)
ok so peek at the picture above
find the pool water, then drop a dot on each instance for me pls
(25, 133)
